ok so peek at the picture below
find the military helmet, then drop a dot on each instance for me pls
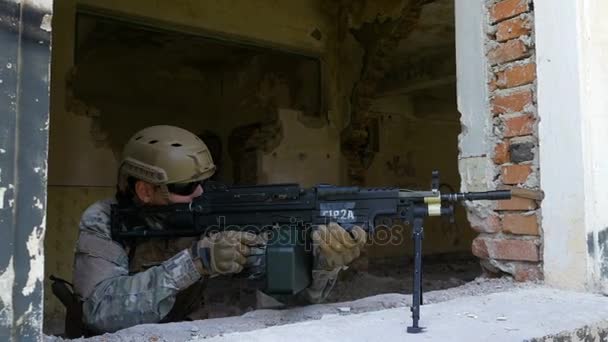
(164, 155)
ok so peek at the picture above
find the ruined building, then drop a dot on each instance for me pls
(495, 94)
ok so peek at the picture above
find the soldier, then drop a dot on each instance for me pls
(121, 284)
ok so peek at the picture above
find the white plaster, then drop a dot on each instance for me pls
(471, 77)
(476, 174)
(46, 125)
(37, 203)
(2, 150)
(572, 132)
(7, 278)
(32, 320)
(11, 202)
(2, 191)
(594, 78)
(46, 23)
(35, 247)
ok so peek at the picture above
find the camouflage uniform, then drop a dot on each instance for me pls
(156, 282)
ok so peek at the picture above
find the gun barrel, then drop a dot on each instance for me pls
(477, 196)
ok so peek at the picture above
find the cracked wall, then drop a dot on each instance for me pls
(386, 114)
(215, 96)
(510, 239)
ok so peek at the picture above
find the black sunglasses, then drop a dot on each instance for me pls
(184, 189)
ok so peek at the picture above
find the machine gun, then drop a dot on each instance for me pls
(289, 212)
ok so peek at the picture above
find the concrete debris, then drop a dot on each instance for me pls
(260, 319)
(536, 313)
(549, 315)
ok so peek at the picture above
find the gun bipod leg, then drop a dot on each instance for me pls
(417, 290)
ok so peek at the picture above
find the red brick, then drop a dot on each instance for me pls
(513, 28)
(515, 102)
(508, 9)
(480, 248)
(516, 203)
(515, 174)
(525, 271)
(520, 224)
(517, 76)
(518, 126)
(489, 224)
(505, 249)
(506, 52)
(501, 153)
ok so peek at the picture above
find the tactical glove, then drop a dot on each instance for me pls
(334, 247)
(224, 252)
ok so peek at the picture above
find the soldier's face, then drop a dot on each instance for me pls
(152, 195)
(175, 198)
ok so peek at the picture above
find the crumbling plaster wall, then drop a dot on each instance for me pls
(371, 28)
(397, 130)
(418, 135)
(270, 27)
(75, 182)
(510, 239)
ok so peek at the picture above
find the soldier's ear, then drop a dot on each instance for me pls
(144, 191)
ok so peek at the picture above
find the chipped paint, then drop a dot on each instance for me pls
(6, 293)
(2, 191)
(46, 22)
(1, 149)
(22, 231)
(35, 247)
(46, 126)
(27, 316)
(11, 201)
(37, 203)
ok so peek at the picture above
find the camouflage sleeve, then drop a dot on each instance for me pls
(113, 299)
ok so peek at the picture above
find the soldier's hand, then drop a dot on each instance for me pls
(336, 247)
(224, 252)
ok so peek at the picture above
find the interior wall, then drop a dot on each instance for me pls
(82, 161)
(65, 205)
(418, 131)
(306, 155)
(212, 89)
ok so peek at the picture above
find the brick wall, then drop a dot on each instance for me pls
(510, 240)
